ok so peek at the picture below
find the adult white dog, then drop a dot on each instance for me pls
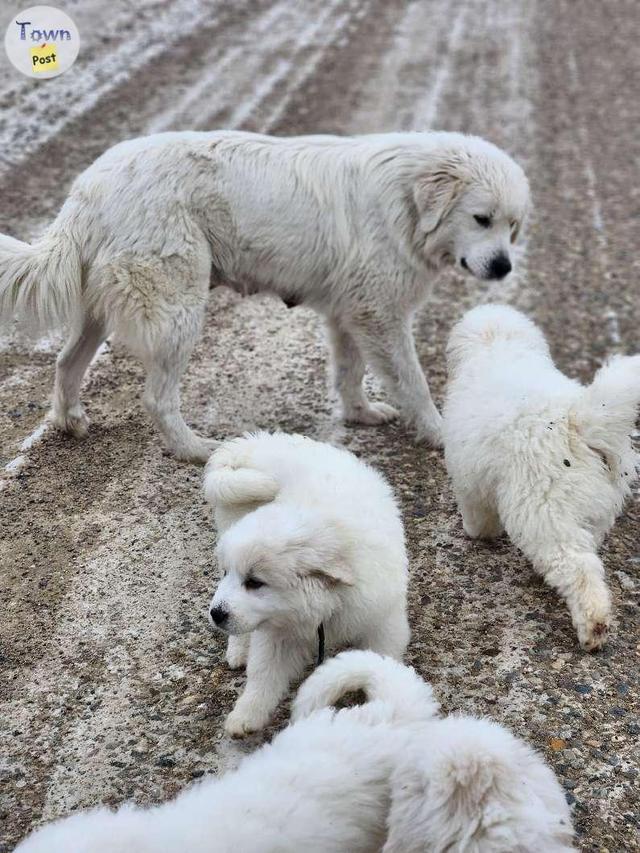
(310, 540)
(352, 227)
(538, 453)
(388, 775)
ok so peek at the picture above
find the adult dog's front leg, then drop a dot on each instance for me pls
(348, 373)
(390, 349)
(272, 664)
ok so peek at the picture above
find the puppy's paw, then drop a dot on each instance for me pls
(240, 723)
(594, 632)
(371, 414)
(236, 655)
(593, 621)
(73, 421)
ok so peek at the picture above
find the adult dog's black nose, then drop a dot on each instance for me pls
(500, 266)
(219, 615)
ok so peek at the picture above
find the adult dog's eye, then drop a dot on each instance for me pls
(484, 221)
(253, 583)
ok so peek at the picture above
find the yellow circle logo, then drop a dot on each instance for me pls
(42, 42)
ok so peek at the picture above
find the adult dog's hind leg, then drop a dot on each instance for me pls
(348, 373)
(67, 412)
(166, 359)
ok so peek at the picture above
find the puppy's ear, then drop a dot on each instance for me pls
(334, 573)
(323, 552)
(437, 190)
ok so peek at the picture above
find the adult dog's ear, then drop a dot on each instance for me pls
(437, 190)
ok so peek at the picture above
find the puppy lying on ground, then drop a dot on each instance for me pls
(352, 227)
(310, 536)
(539, 454)
(388, 775)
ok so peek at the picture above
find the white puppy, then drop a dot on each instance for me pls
(539, 454)
(352, 227)
(388, 775)
(310, 536)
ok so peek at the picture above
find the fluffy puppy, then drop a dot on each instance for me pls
(353, 227)
(538, 454)
(310, 536)
(387, 775)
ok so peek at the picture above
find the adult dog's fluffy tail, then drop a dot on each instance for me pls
(406, 697)
(40, 283)
(607, 411)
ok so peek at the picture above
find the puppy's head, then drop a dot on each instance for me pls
(471, 199)
(281, 569)
(486, 325)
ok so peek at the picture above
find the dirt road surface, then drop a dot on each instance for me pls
(111, 684)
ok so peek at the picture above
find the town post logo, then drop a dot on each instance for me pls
(42, 42)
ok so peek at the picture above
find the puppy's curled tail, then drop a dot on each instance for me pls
(230, 481)
(607, 410)
(40, 283)
(404, 694)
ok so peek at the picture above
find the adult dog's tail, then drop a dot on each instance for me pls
(40, 283)
(404, 695)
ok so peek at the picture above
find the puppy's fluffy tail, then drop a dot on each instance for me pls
(406, 697)
(40, 283)
(607, 411)
(471, 785)
(229, 479)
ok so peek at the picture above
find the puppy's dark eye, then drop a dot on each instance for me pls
(253, 583)
(484, 221)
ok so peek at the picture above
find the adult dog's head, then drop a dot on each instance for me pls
(282, 569)
(471, 199)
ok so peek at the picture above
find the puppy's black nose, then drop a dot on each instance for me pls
(499, 266)
(219, 615)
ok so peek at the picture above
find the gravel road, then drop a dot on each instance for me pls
(111, 684)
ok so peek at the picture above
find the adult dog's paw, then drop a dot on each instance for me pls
(73, 421)
(430, 434)
(371, 414)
